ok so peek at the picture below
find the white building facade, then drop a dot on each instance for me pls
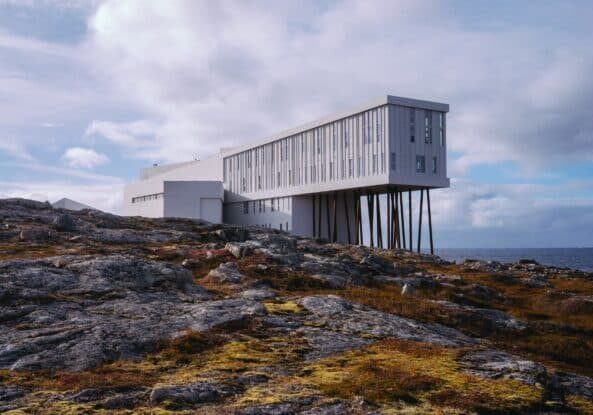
(309, 180)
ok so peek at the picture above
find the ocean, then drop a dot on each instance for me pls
(577, 258)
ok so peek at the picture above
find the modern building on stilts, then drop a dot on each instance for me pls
(313, 180)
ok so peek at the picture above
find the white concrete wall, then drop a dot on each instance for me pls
(406, 151)
(149, 208)
(184, 199)
(206, 170)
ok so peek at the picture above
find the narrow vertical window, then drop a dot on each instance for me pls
(434, 165)
(441, 129)
(420, 164)
(427, 127)
(412, 125)
(392, 161)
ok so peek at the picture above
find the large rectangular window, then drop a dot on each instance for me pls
(420, 164)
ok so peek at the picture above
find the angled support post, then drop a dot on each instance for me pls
(379, 224)
(319, 218)
(410, 219)
(329, 235)
(313, 198)
(358, 224)
(402, 222)
(347, 217)
(429, 221)
(420, 218)
(335, 224)
(370, 207)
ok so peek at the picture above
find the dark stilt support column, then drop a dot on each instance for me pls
(370, 206)
(329, 235)
(347, 217)
(410, 219)
(396, 235)
(335, 225)
(313, 197)
(379, 225)
(388, 218)
(358, 230)
(420, 218)
(319, 217)
(429, 221)
(402, 222)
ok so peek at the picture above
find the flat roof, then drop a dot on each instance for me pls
(384, 100)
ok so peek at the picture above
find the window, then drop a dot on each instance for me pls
(259, 206)
(412, 125)
(280, 226)
(420, 164)
(441, 129)
(350, 168)
(243, 181)
(434, 165)
(392, 161)
(379, 130)
(245, 208)
(374, 163)
(427, 127)
(334, 139)
(278, 181)
(287, 226)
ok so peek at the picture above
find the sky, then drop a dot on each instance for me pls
(91, 91)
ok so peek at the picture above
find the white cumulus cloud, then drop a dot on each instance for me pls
(213, 74)
(84, 157)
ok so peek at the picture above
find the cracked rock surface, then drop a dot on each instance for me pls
(107, 314)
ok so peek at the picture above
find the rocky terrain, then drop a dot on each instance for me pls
(108, 314)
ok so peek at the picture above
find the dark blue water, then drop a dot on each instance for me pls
(576, 258)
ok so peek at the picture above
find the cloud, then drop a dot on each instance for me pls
(84, 157)
(505, 215)
(219, 74)
(14, 149)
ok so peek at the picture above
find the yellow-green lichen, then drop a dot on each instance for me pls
(390, 371)
(288, 307)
